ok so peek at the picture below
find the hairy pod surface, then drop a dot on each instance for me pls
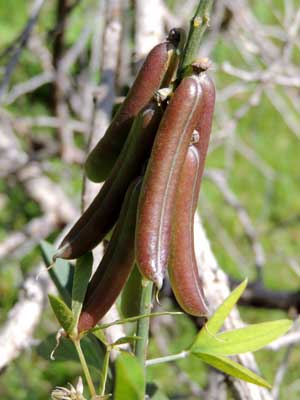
(157, 71)
(163, 170)
(116, 265)
(183, 271)
(103, 212)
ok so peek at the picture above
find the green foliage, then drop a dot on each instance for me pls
(212, 348)
(66, 351)
(61, 272)
(63, 314)
(82, 274)
(129, 378)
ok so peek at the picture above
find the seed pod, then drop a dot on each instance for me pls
(183, 272)
(157, 71)
(159, 188)
(116, 265)
(102, 214)
(205, 118)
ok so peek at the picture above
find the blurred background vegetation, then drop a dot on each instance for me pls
(254, 150)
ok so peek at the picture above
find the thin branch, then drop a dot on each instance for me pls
(16, 53)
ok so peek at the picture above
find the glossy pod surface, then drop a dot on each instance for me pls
(157, 71)
(205, 118)
(116, 265)
(183, 271)
(160, 184)
(102, 214)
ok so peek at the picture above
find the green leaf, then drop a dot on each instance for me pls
(250, 338)
(62, 312)
(129, 378)
(213, 325)
(92, 349)
(82, 274)
(99, 334)
(126, 339)
(232, 368)
(131, 293)
(61, 272)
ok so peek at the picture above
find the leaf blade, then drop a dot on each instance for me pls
(62, 312)
(82, 274)
(213, 325)
(247, 339)
(233, 368)
(130, 381)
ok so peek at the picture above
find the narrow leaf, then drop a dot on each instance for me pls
(250, 338)
(213, 325)
(129, 378)
(232, 368)
(63, 313)
(126, 339)
(82, 274)
(61, 272)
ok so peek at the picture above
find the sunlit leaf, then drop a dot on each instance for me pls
(62, 312)
(250, 338)
(232, 368)
(213, 325)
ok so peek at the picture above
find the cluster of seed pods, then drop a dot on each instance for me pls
(152, 159)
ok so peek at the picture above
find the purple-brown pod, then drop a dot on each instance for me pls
(116, 265)
(183, 271)
(156, 72)
(102, 214)
(161, 179)
(205, 117)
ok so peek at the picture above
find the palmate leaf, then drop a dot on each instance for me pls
(62, 312)
(129, 378)
(232, 368)
(237, 341)
(82, 274)
(217, 320)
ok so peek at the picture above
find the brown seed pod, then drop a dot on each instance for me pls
(183, 272)
(156, 72)
(205, 118)
(160, 184)
(116, 265)
(102, 214)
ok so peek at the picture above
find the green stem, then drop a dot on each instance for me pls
(104, 373)
(165, 359)
(143, 324)
(198, 25)
(85, 368)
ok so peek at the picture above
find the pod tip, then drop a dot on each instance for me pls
(158, 281)
(62, 252)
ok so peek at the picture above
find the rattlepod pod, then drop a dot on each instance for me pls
(115, 266)
(156, 72)
(103, 212)
(182, 267)
(158, 192)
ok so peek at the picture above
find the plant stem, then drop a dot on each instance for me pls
(143, 324)
(104, 373)
(198, 25)
(169, 358)
(85, 368)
